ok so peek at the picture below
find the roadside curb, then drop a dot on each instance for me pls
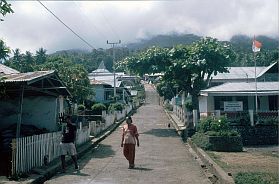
(45, 172)
(214, 168)
(178, 130)
(219, 175)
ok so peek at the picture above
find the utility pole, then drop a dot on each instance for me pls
(113, 66)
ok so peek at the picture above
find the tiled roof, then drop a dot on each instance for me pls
(4, 70)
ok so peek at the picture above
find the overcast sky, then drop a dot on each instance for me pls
(32, 26)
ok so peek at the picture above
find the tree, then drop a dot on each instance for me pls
(4, 51)
(41, 56)
(73, 75)
(28, 63)
(5, 8)
(193, 65)
(190, 67)
(152, 60)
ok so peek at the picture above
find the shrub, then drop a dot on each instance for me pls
(254, 178)
(116, 107)
(81, 107)
(98, 107)
(211, 124)
(169, 107)
(201, 140)
(204, 124)
(227, 133)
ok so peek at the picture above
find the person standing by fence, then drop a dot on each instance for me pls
(67, 143)
(129, 141)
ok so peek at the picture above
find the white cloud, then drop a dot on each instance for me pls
(31, 26)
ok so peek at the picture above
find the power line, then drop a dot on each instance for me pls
(66, 25)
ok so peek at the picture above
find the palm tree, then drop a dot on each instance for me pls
(4, 51)
(41, 56)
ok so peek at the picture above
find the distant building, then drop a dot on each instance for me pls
(103, 82)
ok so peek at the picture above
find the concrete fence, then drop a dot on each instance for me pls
(189, 118)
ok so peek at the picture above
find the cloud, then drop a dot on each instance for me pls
(32, 27)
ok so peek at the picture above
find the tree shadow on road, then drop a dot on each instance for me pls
(103, 151)
(161, 132)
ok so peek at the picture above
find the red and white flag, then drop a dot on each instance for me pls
(256, 47)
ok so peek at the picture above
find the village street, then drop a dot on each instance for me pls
(161, 158)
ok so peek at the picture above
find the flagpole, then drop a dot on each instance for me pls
(256, 87)
(256, 95)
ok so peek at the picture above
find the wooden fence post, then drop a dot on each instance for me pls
(13, 161)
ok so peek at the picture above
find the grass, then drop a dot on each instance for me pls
(255, 178)
(217, 159)
(249, 167)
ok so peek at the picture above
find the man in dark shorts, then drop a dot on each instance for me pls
(67, 143)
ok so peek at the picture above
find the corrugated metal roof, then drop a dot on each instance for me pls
(26, 77)
(7, 70)
(96, 82)
(239, 73)
(243, 87)
(107, 81)
(266, 69)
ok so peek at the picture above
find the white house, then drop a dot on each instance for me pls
(103, 82)
(237, 90)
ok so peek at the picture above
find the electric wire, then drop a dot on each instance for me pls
(88, 44)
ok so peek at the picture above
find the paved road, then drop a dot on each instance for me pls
(161, 158)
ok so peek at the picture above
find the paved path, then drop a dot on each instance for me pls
(162, 158)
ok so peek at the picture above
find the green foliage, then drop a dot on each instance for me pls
(99, 107)
(226, 133)
(116, 106)
(81, 107)
(165, 89)
(213, 124)
(4, 51)
(228, 141)
(168, 107)
(2, 87)
(73, 75)
(255, 178)
(201, 140)
(269, 121)
(5, 8)
(184, 65)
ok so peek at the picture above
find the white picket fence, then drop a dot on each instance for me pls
(30, 152)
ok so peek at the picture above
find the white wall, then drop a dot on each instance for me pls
(203, 104)
(38, 111)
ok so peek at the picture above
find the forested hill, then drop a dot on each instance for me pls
(164, 41)
(243, 43)
(239, 42)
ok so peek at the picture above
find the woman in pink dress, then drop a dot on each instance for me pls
(129, 141)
